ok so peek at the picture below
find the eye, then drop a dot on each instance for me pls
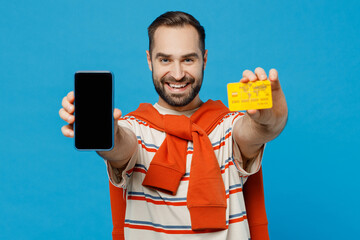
(164, 60)
(188, 60)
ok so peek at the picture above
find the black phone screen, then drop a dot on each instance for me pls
(94, 111)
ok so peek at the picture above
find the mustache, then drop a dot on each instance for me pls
(171, 79)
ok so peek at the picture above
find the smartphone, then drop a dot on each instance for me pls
(94, 107)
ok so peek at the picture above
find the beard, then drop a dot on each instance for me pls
(178, 100)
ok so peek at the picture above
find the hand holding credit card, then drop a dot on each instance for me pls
(250, 95)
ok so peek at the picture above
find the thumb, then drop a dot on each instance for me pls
(117, 113)
(254, 114)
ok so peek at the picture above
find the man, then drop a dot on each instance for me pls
(173, 197)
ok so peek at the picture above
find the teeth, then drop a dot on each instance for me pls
(177, 86)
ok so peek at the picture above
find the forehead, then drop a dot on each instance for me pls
(176, 40)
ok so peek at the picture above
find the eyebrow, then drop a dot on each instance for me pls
(195, 55)
(158, 55)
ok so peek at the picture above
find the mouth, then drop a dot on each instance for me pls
(172, 85)
(177, 87)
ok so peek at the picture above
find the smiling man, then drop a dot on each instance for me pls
(177, 63)
(184, 162)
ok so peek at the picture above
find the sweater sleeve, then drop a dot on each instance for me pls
(253, 193)
(255, 207)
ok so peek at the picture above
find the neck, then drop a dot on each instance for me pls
(195, 103)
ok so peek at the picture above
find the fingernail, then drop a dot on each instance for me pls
(69, 118)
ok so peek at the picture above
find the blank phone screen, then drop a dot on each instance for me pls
(93, 111)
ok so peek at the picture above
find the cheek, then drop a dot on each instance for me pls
(159, 72)
(196, 71)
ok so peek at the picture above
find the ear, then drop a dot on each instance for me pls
(205, 58)
(149, 59)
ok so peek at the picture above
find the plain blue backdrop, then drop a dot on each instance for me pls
(48, 190)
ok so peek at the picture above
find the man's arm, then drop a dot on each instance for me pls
(125, 144)
(124, 139)
(261, 126)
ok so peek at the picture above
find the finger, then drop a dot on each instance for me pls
(274, 79)
(67, 131)
(244, 80)
(260, 73)
(117, 113)
(69, 118)
(71, 97)
(254, 114)
(273, 75)
(67, 105)
(250, 75)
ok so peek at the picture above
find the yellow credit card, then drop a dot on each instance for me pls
(250, 95)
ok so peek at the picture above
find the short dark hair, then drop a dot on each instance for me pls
(176, 19)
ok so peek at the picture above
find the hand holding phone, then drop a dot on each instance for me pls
(67, 114)
(94, 122)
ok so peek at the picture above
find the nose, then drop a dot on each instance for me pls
(177, 71)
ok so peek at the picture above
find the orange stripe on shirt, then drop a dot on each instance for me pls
(164, 230)
(233, 191)
(226, 167)
(157, 202)
(140, 170)
(238, 115)
(223, 142)
(146, 148)
(237, 219)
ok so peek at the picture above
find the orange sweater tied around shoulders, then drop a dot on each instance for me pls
(206, 198)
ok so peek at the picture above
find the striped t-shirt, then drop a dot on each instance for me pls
(155, 215)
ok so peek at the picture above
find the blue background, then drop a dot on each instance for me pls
(48, 190)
